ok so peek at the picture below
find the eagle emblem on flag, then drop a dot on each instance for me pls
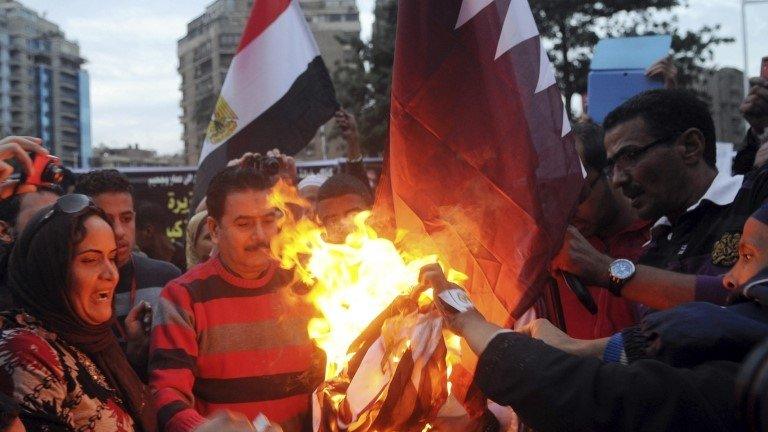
(223, 122)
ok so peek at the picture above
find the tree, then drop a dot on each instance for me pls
(571, 29)
(364, 84)
(575, 27)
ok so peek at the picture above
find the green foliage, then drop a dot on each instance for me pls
(363, 85)
(574, 27)
(570, 28)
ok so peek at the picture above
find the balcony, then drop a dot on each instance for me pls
(69, 97)
(68, 81)
(70, 113)
(68, 128)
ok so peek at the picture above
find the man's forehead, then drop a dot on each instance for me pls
(631, 132)
(251, 203)
(755, 234)
(114, 202)
(343, 202)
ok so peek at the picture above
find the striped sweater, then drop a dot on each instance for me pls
(222, 342)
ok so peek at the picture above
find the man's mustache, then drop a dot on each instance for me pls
(256, 247)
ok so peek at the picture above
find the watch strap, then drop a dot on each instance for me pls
(616, 286)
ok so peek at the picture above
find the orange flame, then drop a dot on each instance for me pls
(350, 283)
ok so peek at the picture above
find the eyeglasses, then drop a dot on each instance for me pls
(71, 204)
(628, 157)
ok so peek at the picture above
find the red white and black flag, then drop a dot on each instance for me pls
(276, 94)
(481, 160)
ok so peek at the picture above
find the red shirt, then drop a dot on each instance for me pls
(222, 342)
(613, 313)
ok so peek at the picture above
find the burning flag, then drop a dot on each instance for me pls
(388, 357)
(276, 94)
(481, 162)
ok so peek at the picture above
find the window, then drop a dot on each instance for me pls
(229, 40)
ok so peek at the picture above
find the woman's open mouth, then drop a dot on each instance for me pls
(103, 296)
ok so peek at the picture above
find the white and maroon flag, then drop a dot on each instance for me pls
(480, 160)
(276, 94)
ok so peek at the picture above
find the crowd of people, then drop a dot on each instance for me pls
(97, 336)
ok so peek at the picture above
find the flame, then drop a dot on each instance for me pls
(351, 283)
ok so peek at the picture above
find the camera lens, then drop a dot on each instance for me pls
(270, 166)
(52, 174)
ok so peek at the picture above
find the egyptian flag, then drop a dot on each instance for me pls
(276, 94)
(481, 162)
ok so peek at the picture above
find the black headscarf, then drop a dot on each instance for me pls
(37, 277)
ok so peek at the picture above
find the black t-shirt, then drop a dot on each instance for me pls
(705, 240)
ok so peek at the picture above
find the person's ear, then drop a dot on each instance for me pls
(693, 145)
(213, 228)
(6, 232)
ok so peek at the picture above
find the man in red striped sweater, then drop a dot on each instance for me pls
(231, 333)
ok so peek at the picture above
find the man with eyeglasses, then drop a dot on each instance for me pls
(662, 150)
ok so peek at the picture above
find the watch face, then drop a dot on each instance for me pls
(622, 268)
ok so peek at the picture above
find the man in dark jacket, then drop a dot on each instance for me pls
(674, 371)
(662, 149)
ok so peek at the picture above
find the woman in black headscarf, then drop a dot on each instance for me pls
(58, 356)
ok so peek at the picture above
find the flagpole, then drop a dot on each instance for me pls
(744, 37)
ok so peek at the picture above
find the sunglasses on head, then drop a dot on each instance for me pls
(72, 204)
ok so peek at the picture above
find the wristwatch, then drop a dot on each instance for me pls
(621, 270)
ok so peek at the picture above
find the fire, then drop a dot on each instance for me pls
(351, 283)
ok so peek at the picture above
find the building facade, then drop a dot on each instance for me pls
(332, 23)
(725, 90)
(204, 56)
(131, 156)
(210, 44)
(44, 91)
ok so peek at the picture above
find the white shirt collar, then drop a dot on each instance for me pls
(722, 191)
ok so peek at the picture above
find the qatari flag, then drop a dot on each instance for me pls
(481, 161)
(276, 94)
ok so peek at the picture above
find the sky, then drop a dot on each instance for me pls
(130, 47)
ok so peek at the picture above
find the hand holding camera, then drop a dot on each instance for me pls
(20, 148)
(275, 164)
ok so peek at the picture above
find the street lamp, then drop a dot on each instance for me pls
(744, 4)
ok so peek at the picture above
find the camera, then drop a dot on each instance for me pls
(45, 169)
(268, 165)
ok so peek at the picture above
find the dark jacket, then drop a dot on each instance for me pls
(681, 373)
(744, 160)
(554, 391)
(694, 333)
